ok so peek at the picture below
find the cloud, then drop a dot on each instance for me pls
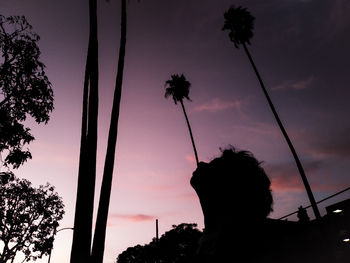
(217, 104)
(286, 184)
(286, 178)
(336, 147)
(303, 84)
(334, 142)
(133, 217)
(325, 155)
(296, 85)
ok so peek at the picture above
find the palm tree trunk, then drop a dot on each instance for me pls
(79, 210)
(189, 129)
(87, 163)
(102, 215)
(291, 147)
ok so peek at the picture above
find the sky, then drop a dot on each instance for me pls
(301, 50)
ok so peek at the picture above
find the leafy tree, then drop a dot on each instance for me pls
(24, 88)
(178, 88)
(5, 177)
(176, 245)
(28, 218)
(240, 24)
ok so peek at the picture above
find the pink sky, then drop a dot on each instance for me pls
(303, 62)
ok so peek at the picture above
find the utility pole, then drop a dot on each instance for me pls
(157, 238)
(54, 234)
(157, 243)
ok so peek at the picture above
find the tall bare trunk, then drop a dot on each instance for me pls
(102, 215)
(291, 147)
(87, 163)
(190, 130)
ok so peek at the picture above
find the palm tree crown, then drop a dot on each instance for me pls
(240, 23)
(177, 87)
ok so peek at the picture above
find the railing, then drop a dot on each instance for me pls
(324, 199)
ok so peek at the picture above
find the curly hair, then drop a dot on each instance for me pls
(242, 170)
(234, 184)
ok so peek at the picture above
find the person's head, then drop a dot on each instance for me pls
(234, 184)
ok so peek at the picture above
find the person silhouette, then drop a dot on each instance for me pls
(302, 215)
(235, 196)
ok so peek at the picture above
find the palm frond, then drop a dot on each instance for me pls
(177, 87)
(240, 24)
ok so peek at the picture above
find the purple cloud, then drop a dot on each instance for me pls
(332, 143)
(285, 177)
(133, 217)
(217, 104)
(296, 85)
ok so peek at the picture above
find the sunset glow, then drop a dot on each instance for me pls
(304, 62)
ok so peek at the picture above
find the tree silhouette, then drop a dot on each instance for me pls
(178, 88)
(176, 245)
(105, 193)
(240, 24)
(24, 88)
(82, 235)
(28, 219)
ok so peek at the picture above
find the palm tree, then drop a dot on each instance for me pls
(103, 207)
(240, 24)
(87, 161)
(178, 88)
